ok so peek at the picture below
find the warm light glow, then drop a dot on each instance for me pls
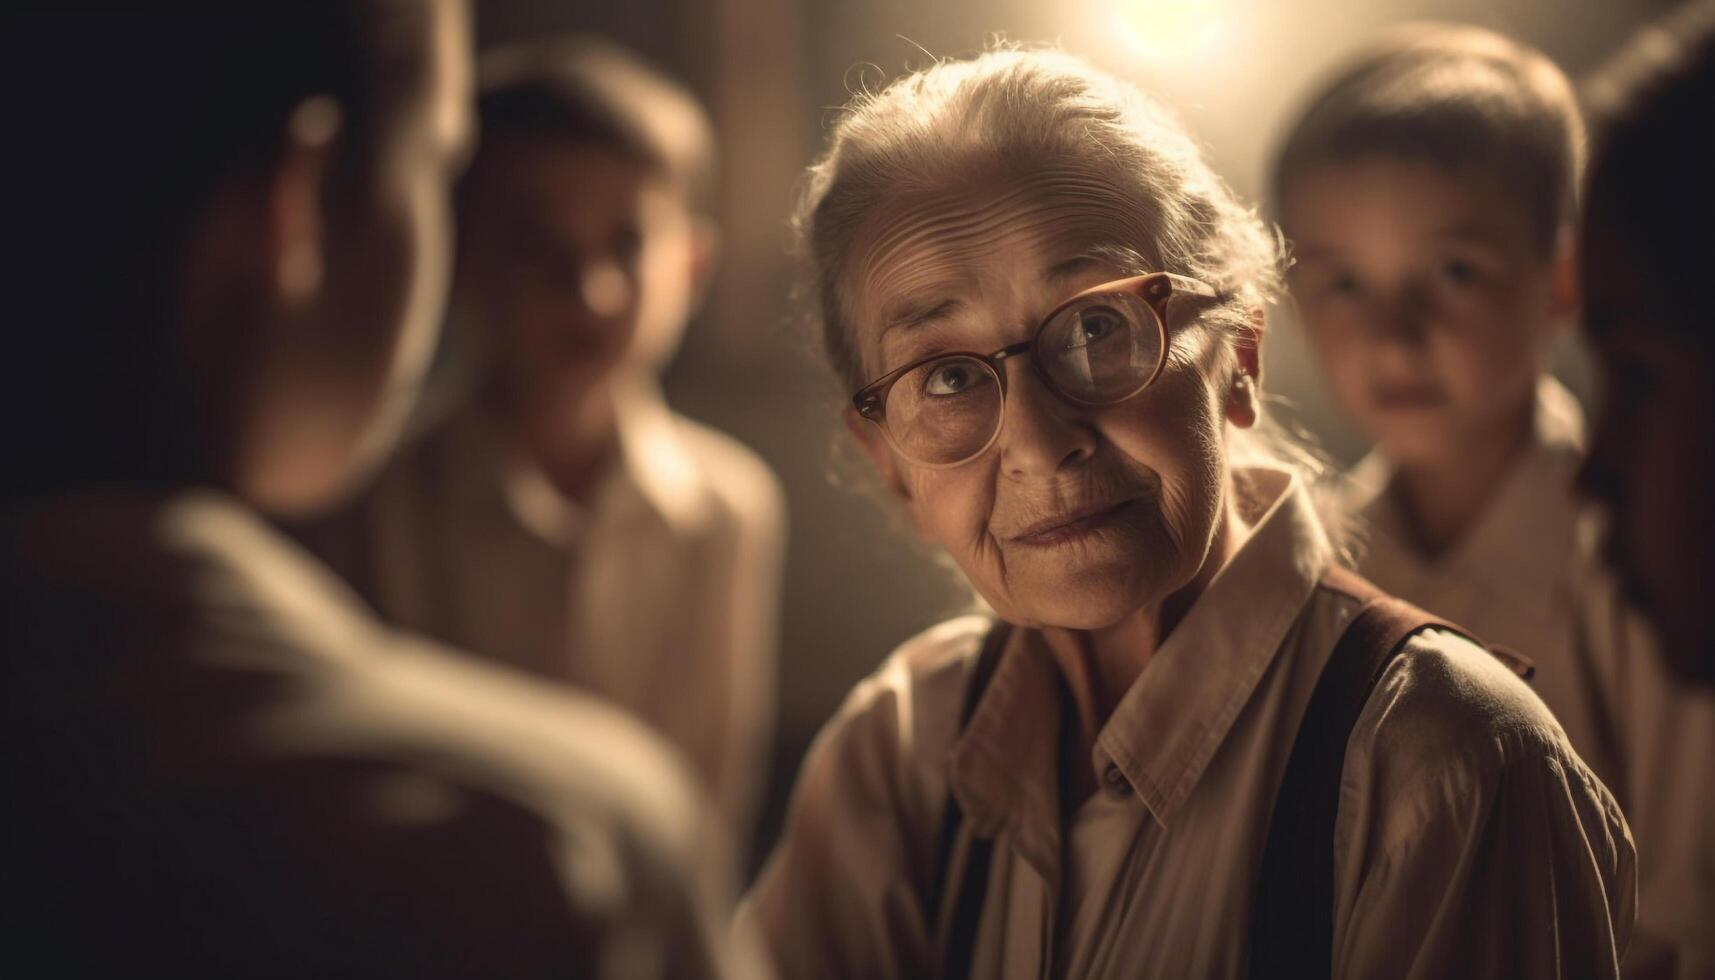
(1169, 29)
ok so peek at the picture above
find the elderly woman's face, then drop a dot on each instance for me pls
(1077, 516)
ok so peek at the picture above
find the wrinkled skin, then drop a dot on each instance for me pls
(977, 269)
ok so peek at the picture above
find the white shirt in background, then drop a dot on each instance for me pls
(661, 596)
(1527, 576)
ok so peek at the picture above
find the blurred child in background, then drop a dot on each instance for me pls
(1429, 192)
(557, 516)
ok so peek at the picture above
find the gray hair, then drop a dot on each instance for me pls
(1014, 110)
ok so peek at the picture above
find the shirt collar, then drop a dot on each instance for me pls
(1534, 504)
(1169, 724)
(1179, 711)
(1005, 760)
(655, 477)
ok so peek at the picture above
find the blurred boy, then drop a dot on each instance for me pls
(1429, 191)
(229, 230)
(559, 517)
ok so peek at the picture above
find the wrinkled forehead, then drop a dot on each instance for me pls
(928, 247)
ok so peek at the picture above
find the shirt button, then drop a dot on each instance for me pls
(1116, 781)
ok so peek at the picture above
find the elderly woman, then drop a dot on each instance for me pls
(1048, 311)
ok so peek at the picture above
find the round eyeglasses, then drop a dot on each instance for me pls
(1100, 347)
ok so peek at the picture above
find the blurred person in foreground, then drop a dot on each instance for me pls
(558, 516)
(1188, 743)
(228, 230)
(1646, 251)
(1429, 192)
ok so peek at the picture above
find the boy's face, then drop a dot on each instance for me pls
(1652, 459)
(1427, 302)
(579, 262)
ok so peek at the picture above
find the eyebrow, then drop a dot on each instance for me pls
(1059, 272)
(908, 314)
(1313, 253)
(1471, 231)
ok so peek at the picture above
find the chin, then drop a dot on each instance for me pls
(1087, 601)
(1414, 445)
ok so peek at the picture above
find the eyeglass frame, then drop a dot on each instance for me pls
(1154, 288)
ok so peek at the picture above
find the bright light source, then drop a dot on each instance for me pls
(1169, 29)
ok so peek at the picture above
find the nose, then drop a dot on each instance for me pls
(1401, 319)
(604, 289)
(1041, 434)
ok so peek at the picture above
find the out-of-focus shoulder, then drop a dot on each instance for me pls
(366, 689)
(557, 750)
(737, 479)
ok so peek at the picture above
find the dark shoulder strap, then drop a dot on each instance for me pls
(967, 898)
(1292, 922)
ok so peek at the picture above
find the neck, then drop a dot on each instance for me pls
(1099, 666)
(1441, 500)
(572, 447)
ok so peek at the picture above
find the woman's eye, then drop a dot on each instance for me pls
(1094, 325)
(953, 379)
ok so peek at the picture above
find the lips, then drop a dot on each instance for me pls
(1074, 523)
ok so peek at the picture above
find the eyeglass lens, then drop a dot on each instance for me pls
(1102, 349)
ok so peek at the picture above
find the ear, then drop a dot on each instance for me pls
(874, 445)
(1249, 344)
(258, 243)
(705, 256)
(1242, 399)
(294, 232)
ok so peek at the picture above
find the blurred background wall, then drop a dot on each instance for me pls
(773, 71)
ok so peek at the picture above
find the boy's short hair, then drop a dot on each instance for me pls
(590, 91)
(1458, 97)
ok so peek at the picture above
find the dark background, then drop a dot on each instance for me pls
(771, 73)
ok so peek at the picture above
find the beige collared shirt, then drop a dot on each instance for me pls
(1471, 840)
(1527, 576)
(661, 596)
